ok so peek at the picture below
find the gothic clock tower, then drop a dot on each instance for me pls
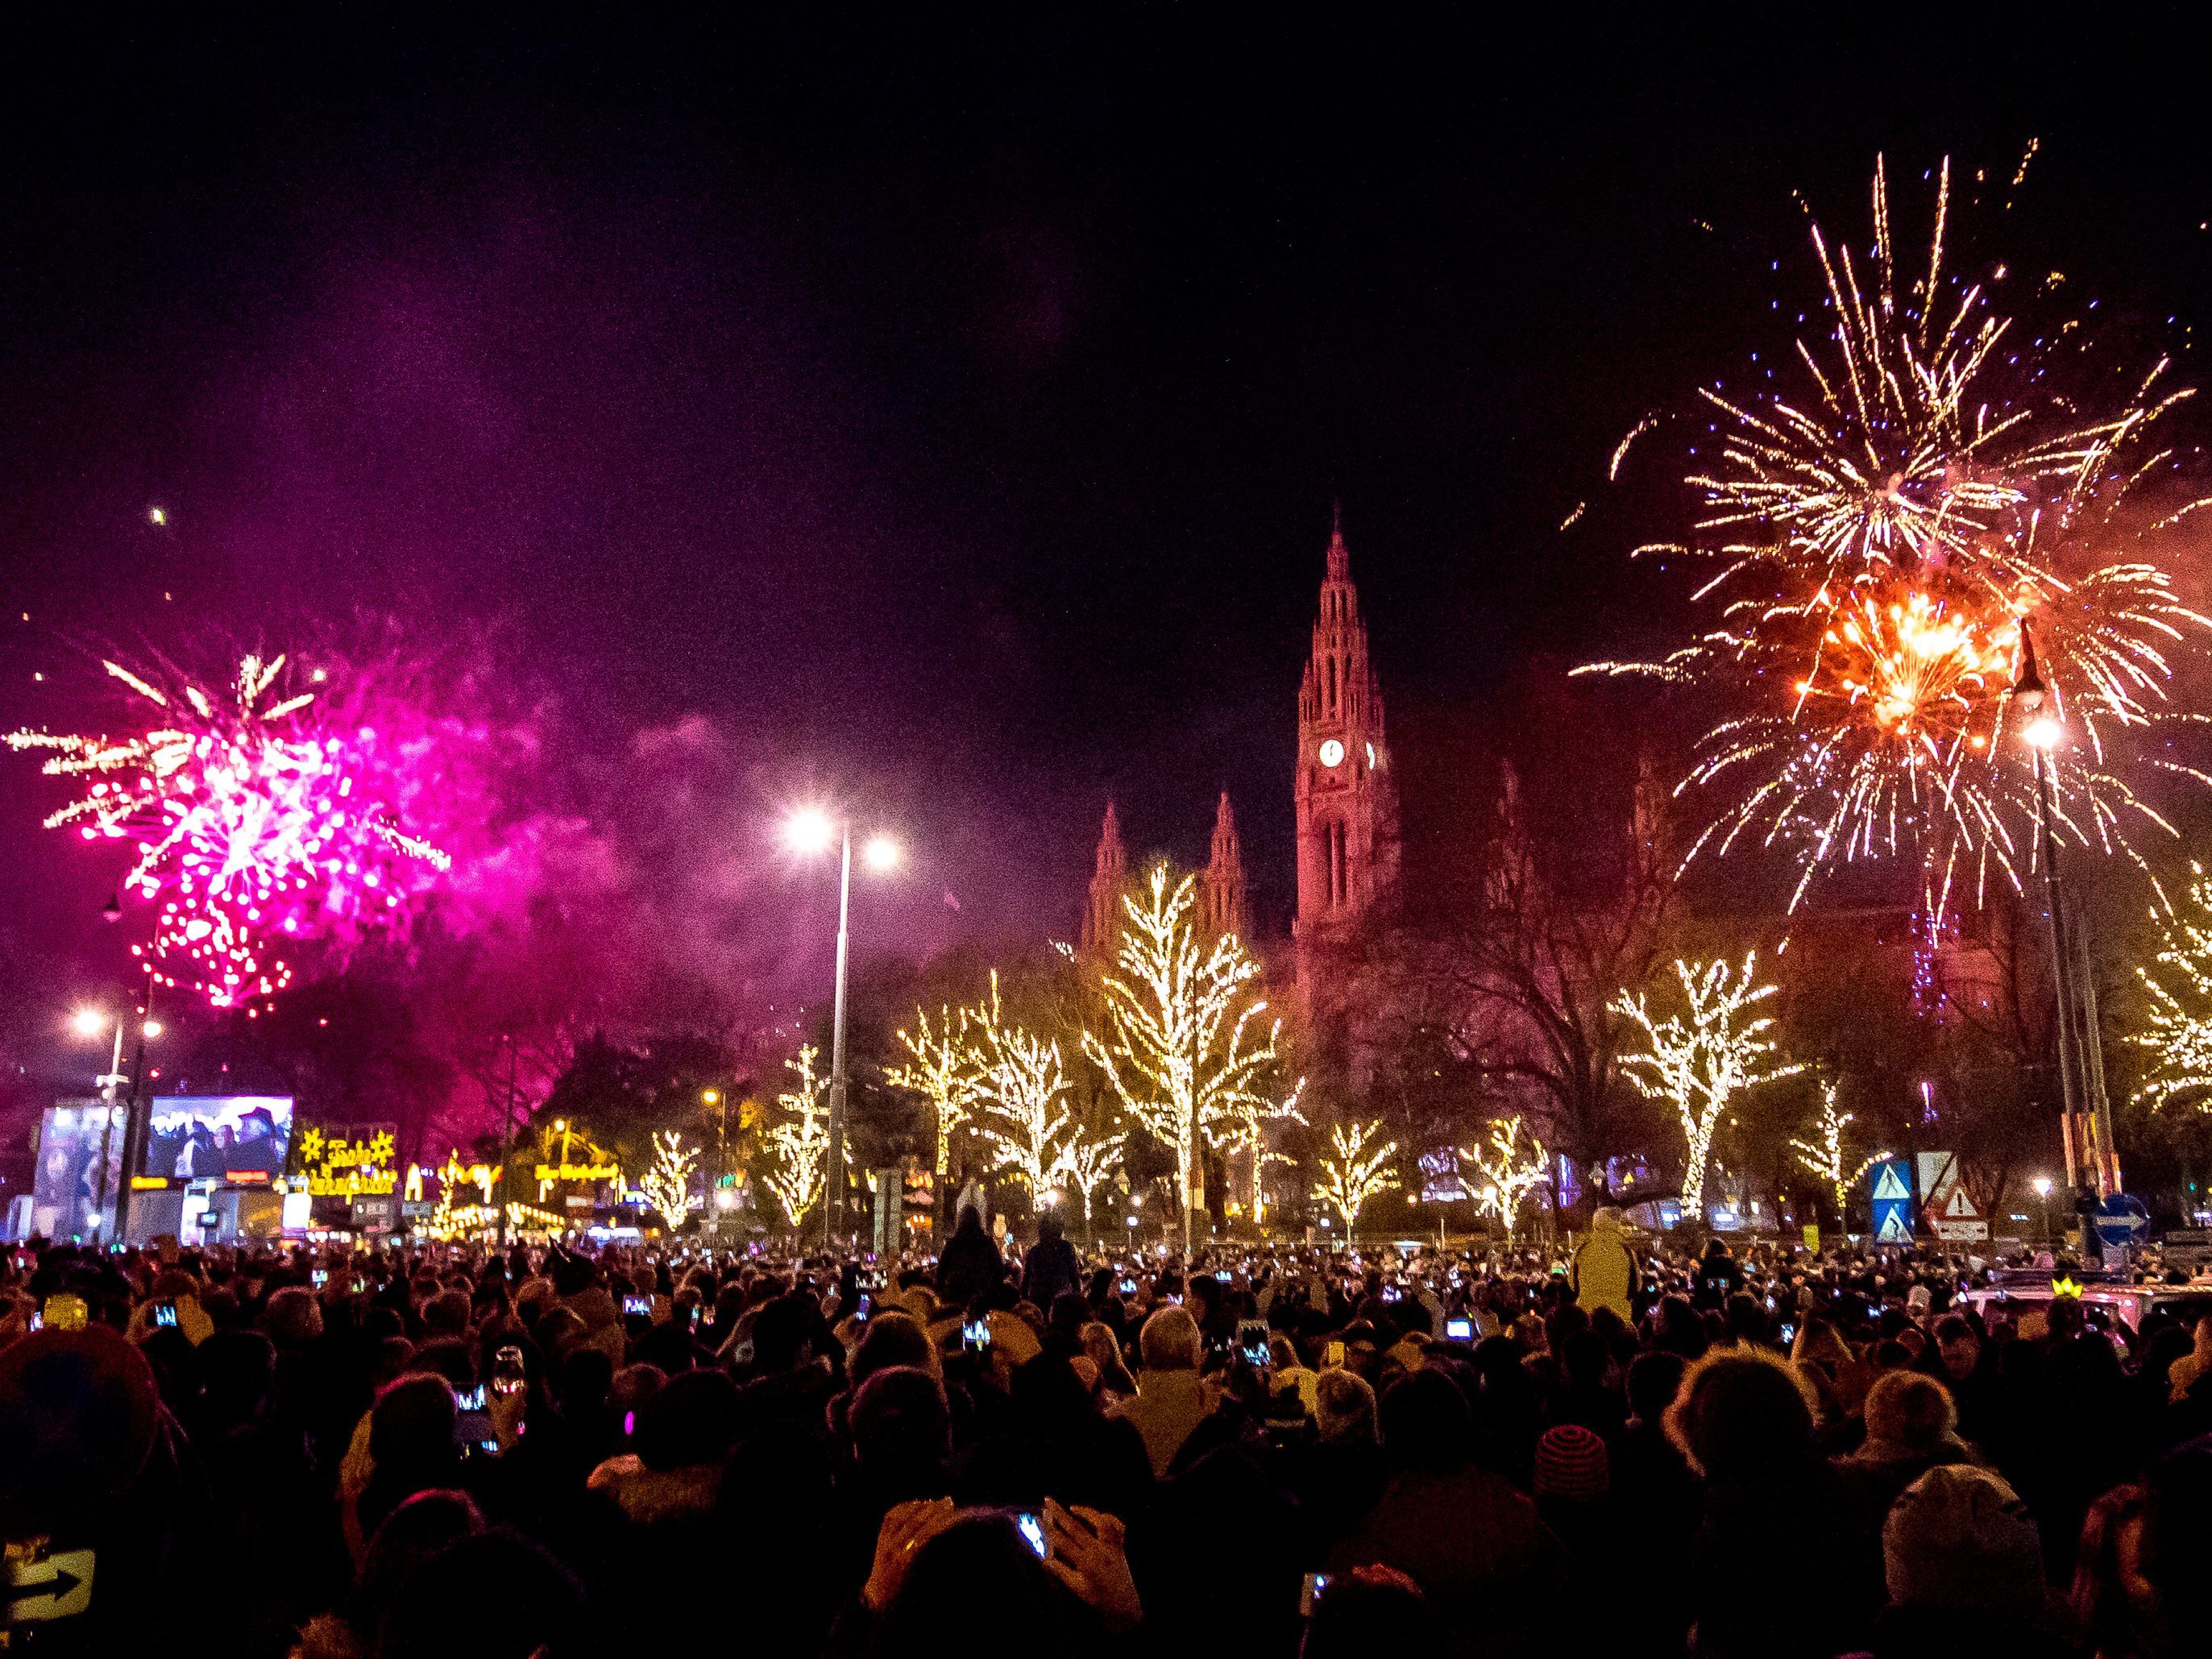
(1347, 798)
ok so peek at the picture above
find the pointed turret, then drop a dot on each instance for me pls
(1346, 798)
(1101, 913)
(1226, 911)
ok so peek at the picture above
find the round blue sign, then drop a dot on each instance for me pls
(2121, 1218)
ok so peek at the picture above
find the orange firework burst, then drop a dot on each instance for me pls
(1882, 531)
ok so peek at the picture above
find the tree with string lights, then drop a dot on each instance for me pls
(2177, 986)
(667, 1184)
(1356, 1168)
(1825, 1156)
(1180, 1049)
(1699, 1059)
(940, 1068)
(1021, 1088)
(800, 1146)
(1510, 1170)
(1087, 1161)
(1242, 1132)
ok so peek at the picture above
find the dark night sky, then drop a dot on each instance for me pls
(952, 412)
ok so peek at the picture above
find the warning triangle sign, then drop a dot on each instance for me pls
(1893, 1229)
(1888, 1188)
(1960, 1208)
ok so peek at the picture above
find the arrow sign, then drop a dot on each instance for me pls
(58, 1587)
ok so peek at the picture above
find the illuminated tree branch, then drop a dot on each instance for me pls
(1509, 1171)
(1699, 1060)
(1355, 1171)
(667, 1184)
(1178, 1050)
(1825, 1157)
(1088, 1163)
(799, 1146)
(1242, 1132)
(1021, 1086)
(942, 1072)
(2178, 983)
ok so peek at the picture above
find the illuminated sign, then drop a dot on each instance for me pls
(348, 1160)
(148, 1183)
(547, 1173)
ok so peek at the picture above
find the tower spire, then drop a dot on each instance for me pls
(1110, 870)
(1346, 797)
(1226, 909)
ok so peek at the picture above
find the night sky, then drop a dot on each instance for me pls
(944, 415)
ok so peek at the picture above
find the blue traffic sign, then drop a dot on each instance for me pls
(2121, 1218)
(1890, 1186)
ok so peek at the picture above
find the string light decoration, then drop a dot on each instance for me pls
(1509, 1171)
(2177, 1010)
(941, 1070)
(255, 827)
(667, 1184)
(1021, 1087)
(1179, 1051)
(1355, 1171)
(1086, 1163)
(1242, 1132)
(1887, 522)
(1700, 1059)
(450, 1218)
(1825, 1156)
(798, 1147)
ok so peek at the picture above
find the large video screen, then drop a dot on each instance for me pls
(80, 1148)
(240, 1138)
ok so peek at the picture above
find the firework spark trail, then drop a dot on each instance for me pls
(1883, 533)
(252, 826)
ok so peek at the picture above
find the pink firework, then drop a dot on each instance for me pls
(257, 826)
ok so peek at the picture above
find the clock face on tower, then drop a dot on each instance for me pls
(1332, 753)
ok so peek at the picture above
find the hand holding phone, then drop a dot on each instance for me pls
(1086, 1552)
(1252, 1343)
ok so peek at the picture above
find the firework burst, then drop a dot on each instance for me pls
(1886, 533)
(257, 826)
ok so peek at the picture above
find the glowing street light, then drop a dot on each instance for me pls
(87, 1022)
(810, 832)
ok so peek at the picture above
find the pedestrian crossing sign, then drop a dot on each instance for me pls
(1892, 1201)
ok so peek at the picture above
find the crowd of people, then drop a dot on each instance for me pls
(1265, 1451)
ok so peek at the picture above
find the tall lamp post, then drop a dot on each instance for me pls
(116, 1163)
(2091, 1157)
(810, 833)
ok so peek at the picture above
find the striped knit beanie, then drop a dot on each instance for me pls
(1571, 1462)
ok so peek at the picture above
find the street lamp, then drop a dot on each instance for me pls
(2042, 1185)
(2089, 1119)
(810, 832)
(89, 1023)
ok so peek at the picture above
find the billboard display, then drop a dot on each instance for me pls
(241, 1138)
(72, 1189)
